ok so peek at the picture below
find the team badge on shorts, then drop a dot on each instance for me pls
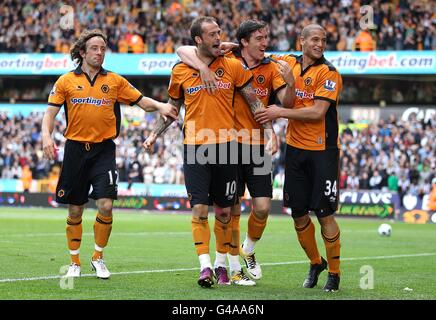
(189, 197)
(61, 193)
(105, 88)
(307, 81)
(260, 79)
(286, 196)
(219, 72)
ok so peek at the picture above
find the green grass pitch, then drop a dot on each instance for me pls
(152, 257)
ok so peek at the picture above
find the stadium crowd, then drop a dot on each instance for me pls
(161, 26)
(392, 155)
(365, 91)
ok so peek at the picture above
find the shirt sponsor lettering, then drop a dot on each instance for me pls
(302, 94)
(261, 92)
(220, 85)
(91, 100)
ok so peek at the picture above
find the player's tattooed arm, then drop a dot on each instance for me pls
(253, 101)
(256, 105)
(161, 126)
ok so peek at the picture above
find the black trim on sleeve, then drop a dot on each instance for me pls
(117, 112)
(55, 104)
(66, 116)
(323, 98)
(245, 84)
(279, 88)
(136, 101)
(177, 63)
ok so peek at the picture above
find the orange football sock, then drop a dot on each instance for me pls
(74, 238)
(236, 236)
(306, 237)
(223, 235)
(102, 232)
(333, 251)
(201, 235)
(255, 226)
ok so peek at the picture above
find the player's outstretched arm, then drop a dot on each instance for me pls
(188, 55)
(256, 105)
(311, 114)
(48, 121)
(161, 126)
(167, 110)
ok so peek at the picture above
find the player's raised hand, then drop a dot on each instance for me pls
(227, 46)
(286, 72)
(49, 148)
(209, 79)
(149, 142)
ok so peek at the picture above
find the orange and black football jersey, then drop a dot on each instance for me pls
(320, 81)
(206, 114)
(266, 81)
(92, 107)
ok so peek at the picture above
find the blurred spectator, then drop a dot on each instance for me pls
(364, 41)
(26, 178)
(353, 181)
(375, 182)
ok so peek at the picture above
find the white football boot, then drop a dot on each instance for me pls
(100, 268)
(73, 271)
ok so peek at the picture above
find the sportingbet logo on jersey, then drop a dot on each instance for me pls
(330, 85)
(261, 92)
(303, 94)
(91, 100)
(219, 85)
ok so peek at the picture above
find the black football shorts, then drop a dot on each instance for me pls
(86, 165)
(311, 180)
(210, 174)
(254, 171)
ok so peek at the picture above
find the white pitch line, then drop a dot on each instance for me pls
(58, 234)
(193, 269)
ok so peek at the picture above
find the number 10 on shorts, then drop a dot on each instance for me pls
(230, 188)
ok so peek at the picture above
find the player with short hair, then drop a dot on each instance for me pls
(254, 165)
(91, 97)
(206, 115)
(312, 153)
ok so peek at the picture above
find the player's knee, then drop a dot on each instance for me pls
(235, 210)
(262, 212)
(301, 217)
(75, 212)
(329, 227)
(222, 214)
(262, 207)
(105, 207)
(200, 211)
